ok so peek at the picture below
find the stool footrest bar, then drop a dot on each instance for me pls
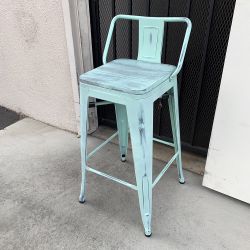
(111, 178)
(102, 144)
(164, 169)
(95, 104)
(164, 142)
(103, 103)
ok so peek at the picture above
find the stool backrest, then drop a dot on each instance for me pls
(151, 32)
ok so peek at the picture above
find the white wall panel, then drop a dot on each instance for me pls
(228, 162)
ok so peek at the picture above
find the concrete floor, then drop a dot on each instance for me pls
(39, 209)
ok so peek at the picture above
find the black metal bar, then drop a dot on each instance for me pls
(216, 52)
(191, 79)
(180, 73)
(166, 34)
(148, 7)
(138, 8)
(123, 30)
(95, 32)
(114, 33)
(174, 40)
(206, 38)
(130, 29)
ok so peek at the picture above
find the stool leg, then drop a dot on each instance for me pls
(140, 118)
(84, 127)
(174, 117)
(122, 125)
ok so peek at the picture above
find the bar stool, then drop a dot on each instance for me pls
(133, 86)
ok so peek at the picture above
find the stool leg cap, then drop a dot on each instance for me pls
(81, 200)
(181, 180)
(148, 234)
(123, 158)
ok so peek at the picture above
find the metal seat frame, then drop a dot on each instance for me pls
(134, 114)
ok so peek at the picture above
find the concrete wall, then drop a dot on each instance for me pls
(228, 162)
(35, 76)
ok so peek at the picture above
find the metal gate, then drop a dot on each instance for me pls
(199, 80)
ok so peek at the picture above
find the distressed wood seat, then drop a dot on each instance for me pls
(129, 76)
(133, 86)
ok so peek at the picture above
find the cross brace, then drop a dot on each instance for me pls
(90, 169)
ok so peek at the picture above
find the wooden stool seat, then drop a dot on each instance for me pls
(129, 76)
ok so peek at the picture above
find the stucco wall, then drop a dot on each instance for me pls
(34, 66)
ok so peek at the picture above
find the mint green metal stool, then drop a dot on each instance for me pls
(133, 86)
